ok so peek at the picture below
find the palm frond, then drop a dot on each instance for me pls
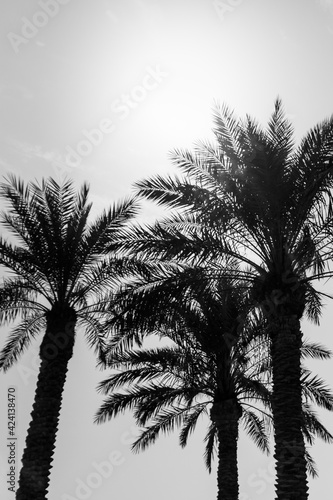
(256, 429)
(165, 421)
(20, 338)
(210, 440)
(314, 389)
(312, 426)
(116, 404)
(190, 422)
(310, 465)
(95, 331)
(315, 350)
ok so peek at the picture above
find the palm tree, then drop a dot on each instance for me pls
(257, 198)
(59, 265)
(187, 300)
(216, 359)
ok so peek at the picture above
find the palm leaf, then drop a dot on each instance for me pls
(20, 338)
(256, 429)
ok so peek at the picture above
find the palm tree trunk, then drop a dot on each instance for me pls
(55, 351)
(286, 339)
(225, 415)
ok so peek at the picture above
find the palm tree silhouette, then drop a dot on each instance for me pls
(59, 266)
(219, 358)
(255, 197)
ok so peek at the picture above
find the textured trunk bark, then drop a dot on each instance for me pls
(291, 479)
(225, 415)
(55, 351)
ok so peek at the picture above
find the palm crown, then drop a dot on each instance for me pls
(61, 260)
(252, 191)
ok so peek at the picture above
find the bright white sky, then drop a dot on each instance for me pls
(147, 72)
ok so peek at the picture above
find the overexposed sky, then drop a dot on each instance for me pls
(102, 90)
